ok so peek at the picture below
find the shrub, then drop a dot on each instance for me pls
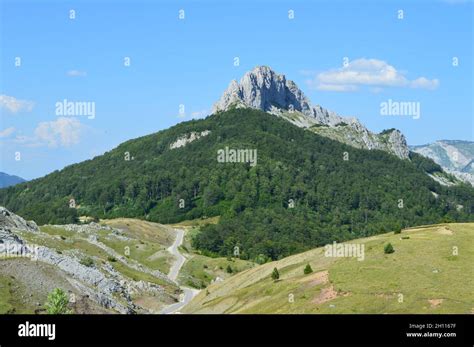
(57, 302)
(388, 248)
(307, 269)
(275, 274)
(112, 259)
(88, 261)
(229, 269)
(261, 259)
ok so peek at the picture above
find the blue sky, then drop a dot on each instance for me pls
(191, 62)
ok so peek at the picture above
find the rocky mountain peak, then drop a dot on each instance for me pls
(264, 89)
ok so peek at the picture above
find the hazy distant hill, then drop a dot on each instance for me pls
(7, 180)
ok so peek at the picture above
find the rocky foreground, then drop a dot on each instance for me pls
(98, 280)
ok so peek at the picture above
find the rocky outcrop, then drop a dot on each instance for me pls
(99, 285)
(11, 221)
(397, 144)
(108, 288)
(10, 243)
(265, 90)
(183, 140)
(454, 156)
(84, 228)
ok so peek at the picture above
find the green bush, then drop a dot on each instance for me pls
(57, 302)
(261, 259)
(388, 248)
(307, 269)
(88, 261)
(275, 274)
(229, 269)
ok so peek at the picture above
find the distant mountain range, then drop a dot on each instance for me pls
(455, 156)
(7, 180)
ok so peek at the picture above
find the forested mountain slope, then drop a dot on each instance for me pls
(301, 193)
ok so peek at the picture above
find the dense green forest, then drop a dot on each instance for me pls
(301, 194)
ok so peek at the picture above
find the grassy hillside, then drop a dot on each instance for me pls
(421, 276)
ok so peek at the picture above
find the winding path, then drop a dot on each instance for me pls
(188, 293)
(180, 259)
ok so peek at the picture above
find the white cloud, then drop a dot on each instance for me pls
(7, 132)
(367, 72)
(424, 83)
(336, 87)
(76, 73)
(63, 131)
(15, 105)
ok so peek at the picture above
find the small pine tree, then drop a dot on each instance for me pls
(57, 302)
(229, 269)
(307, 269)
(275, 274)
(388, 248)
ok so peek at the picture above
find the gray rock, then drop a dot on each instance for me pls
(91, 281)
(265, 90)
(9, 220)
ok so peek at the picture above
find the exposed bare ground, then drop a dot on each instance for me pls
(321, 277)
(327, 294)
(435, 302)
(445, 231)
